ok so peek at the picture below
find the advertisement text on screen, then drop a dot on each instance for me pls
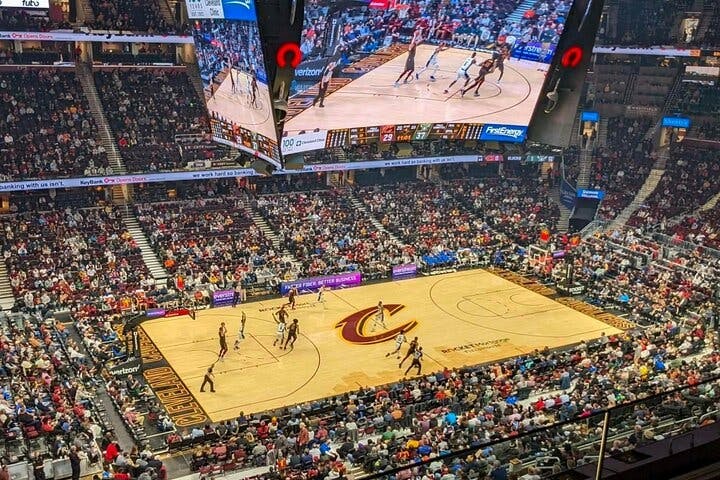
(503, 133)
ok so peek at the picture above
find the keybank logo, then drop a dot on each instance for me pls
(503, 133)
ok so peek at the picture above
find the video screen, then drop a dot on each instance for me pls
(230, 58)
(408, 70)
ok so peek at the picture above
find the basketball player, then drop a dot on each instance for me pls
(253, 88)
(463, 71)
(399, 340)
(292, 297)
(321, 293)
(233, 87)
(417, 357)
(222, 332)
(500, 54)
(208, 378)
(282, 314)
(379, 316)
(241, 332)
(324, 82)
(486, 67)
(432, 63)
(280, 332)
(293, 331)
(411, 349)
(409, 65)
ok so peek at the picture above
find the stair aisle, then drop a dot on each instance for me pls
(85, 75)
(7, 299)
(148, 254)
(517, 15)
(355, 202)
(264, 227)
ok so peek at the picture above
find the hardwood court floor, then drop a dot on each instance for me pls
(462, 318)
(236, 107)
(373, 100)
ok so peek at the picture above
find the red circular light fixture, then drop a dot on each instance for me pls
(288, 49)
(572, 57)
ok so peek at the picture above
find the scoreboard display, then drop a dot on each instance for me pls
(402, 133)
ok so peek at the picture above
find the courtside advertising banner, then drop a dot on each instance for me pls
(305, 285)
(404, 271)
(223, 298)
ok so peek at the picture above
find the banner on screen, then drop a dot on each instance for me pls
(304, 142)
(503, 133)
(591, 194)
(343, 280)
(223, 298)
(404, 271)
(567, 195)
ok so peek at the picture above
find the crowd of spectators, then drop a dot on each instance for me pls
(328, 235)
(46, 129)
(147, 108)
(645, 23)
(64, 258)
(210, 241)
(621, 167)
(131, 16)
(48, 395)
(698, 99)
(687, 184)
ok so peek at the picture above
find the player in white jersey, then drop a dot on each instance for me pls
(321, 293)
(463, 71)
(432, 62)
(379, 317)
(241, 331)
(280, 332)
(399, 340)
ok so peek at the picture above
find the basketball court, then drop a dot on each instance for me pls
(236, 106)
(460, 319)
(373, 96)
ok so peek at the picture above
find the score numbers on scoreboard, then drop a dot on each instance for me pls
(403, 133)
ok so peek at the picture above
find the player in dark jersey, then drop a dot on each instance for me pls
(324, 83)
(411, 349)
(292, 333)
(253, 88)
(222, 332)
(409, 65)
(416, 361)
(486, 67)
(292, 297)
(500, 54)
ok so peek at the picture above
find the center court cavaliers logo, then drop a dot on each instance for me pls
(354, 324)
